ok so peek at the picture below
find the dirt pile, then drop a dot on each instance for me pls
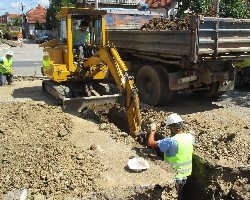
(56, 155)
(36, 152)
(222, 141)
(182, 23)
(222, 145)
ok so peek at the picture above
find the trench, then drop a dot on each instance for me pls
(208, 180)
(193, 189)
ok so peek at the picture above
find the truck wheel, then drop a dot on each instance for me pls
(167, 94)
(238, 80)
(150, 83)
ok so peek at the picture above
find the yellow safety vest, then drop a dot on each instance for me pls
(182, 161)
(46, 63)
(7, 63)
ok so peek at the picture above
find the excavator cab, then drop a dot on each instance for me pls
(68, 28)
(62, 50)
(81, 82)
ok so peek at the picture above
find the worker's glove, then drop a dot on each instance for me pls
(152, 127)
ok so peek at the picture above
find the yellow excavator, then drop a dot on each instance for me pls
(78, 83)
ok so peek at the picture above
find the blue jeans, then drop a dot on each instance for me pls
(5, 77)
(179, 183)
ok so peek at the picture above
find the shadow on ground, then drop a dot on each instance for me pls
(239, 97)
(187, 103)
(34, 93)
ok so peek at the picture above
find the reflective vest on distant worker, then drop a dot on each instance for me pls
(46, 62)
(7, 63)
(182, 161)
(77, 40)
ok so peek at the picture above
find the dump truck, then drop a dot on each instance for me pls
(79, 83)
(198, 59)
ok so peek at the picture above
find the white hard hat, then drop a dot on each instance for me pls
(173, 119)
(10, 53)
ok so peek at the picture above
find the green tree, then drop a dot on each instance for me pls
(38, 26)
(17, 21)
(194, 6)
(54, 8)
(234, 8)
(228, 8)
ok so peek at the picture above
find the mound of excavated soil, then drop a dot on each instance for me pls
(58, 155)
(222, 137)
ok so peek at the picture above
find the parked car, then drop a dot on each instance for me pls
(43, 37)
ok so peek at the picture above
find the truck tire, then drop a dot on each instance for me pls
(167, 94)
(239, 80)
(150, 83)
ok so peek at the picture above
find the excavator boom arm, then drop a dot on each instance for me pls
(108, 55)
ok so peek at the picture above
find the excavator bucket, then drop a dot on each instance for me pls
(83, 103)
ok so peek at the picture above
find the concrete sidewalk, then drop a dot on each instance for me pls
(4, 46)
(27, 61)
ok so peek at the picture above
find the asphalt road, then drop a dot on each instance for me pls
(27, 60)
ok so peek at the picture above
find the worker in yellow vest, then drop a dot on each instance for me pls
(177, 149)
(46, 62)
(6, 68)
(81, 40)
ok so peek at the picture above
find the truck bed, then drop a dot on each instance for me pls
(207, 38)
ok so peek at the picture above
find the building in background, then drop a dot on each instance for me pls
(28, 20)
(34, 17)
(166, 7)
(10, 18)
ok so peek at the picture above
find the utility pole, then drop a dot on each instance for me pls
(23, 18)
(22, 6)
(216, 8)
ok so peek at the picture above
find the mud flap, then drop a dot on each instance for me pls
(79, 104)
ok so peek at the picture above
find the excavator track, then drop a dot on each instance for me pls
(61, 94)
(57, 91)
